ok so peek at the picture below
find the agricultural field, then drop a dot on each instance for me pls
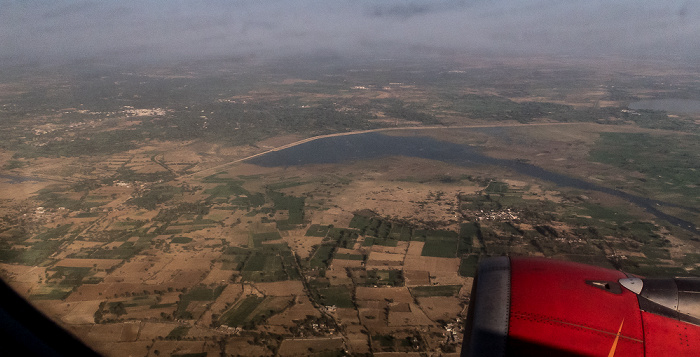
(154, 226)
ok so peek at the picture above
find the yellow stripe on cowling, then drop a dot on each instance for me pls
(617, 337)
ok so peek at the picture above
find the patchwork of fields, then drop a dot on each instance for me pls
(139, 225)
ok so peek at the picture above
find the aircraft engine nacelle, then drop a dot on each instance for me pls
(544, 307)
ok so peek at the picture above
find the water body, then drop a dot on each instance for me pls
(346, 148)
(688, 106)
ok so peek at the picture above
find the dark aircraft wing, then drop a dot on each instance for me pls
(24, 331)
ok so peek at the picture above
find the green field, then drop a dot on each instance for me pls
(468, 265)
(316, 230)
(177, 333)
(256, 239)
(670, 164)
(440, 244)
(198, 293)
(339, 296)
(253, 310)
(384, 277)
(238, 314)
(439, 290)
(181, 240)
(344, 238)
(295, 206)
(322, 256)
(272, 263)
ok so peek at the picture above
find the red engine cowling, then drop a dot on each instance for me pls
(544, 307)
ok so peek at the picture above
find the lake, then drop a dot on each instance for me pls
(689, 106)
(340, 149)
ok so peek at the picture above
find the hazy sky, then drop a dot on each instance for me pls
(55, 31)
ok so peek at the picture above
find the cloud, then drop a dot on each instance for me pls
(64, 30)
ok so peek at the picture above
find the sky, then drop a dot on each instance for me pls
(60, 31)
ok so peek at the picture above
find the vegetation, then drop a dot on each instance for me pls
(441, 244)
(668, 163)
(199, 293)
(178, 332)
(316, 230)
(294, 205)
(131, 205)
(154, 196)
(439, 290)
(238, 315)
(271, 263)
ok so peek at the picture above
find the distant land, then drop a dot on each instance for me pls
(298, 208)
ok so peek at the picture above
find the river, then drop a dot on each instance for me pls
(339, 149)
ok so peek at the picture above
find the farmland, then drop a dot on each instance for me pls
(148, 224)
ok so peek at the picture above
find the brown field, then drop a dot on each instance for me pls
(167, 348)
(301, 244)
(466, 289)
(432, 264)
(126, 349)
(357, 342)
(203, 332)
(415, 249)
(109, 332)
(415, 316)
(22, 278)
(12, 191)
(169, 297)
(374, 319)
(146, 167)
(55, 308)
(197, 308)
(397, 294)
(416, 277)
(345, 263)
(400, 248)
(348, 251)
(244, 346)
(383, 264)
(281, 288)
(274, 303)
(197, 265)
(273, 329)
(118, 287)
(373, 304)
(347, 316)
(99, 264)
(217, 275)
(300, 310)
(338, 276)
(440, 307)
(379, 259)
(146, 312)
(442, 278)
(82, 312)
(77, 245)
(130, 331)
(304, 346)
(151, 330)
(335, 215)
